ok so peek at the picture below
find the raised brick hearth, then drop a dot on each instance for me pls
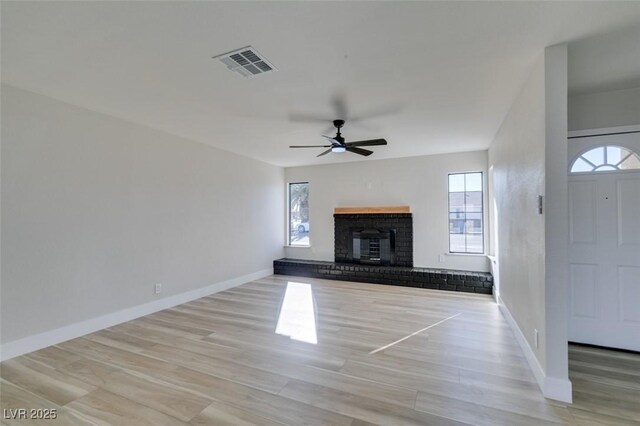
(440, 279)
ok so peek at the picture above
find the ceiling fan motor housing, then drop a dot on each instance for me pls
(338, 124)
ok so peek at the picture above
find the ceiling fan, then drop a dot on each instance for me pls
(339, 145)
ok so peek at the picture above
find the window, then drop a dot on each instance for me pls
(606, 159)
(299, 214)
(466, 230)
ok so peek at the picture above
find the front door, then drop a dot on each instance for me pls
(604, 258)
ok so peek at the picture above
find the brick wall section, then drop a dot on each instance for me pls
(401, 222)
(439, 279)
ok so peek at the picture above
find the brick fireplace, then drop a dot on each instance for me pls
(374, 238)
(375, 245)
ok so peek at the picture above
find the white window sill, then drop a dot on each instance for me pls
(295, 246)
(467, 254)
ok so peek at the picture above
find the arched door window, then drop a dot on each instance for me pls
(608, 158)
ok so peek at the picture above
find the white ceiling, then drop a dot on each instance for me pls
(437, 76)
(607, 62)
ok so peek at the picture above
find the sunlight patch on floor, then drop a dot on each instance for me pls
(297, 318)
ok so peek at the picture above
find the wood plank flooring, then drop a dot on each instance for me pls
(218, 361)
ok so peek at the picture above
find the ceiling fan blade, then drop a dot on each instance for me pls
(310, 146)
(331, 138)
(374, 113)
(360, 151)
(371, 142)
(324, 152)
(308, 118)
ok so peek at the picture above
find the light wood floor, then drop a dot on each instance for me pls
(217, 361)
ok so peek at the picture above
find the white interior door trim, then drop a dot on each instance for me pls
(604, 131)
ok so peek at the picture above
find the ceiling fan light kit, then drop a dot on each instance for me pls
(338, 143)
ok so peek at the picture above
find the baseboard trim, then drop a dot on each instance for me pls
(558, 389)
(551, 387)
(38, 341)
(534, 364)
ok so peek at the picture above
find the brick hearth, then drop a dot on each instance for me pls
(439, 279)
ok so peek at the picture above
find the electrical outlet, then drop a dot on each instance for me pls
(441, 258)
(535, 337)
(158, 288)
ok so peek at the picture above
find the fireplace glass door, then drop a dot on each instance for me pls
(373, 246)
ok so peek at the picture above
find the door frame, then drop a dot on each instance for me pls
(583, 134)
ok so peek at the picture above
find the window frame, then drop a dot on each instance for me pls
(289, 218)
(482, 211)
(594, 170)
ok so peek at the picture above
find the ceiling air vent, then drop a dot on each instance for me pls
(246, 61)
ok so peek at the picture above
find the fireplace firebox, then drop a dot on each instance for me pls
(384, 239)
(373, 246)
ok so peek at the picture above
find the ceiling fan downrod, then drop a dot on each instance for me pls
(338, 124)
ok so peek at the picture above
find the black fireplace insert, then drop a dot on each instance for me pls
(373, 246)
(384, 239)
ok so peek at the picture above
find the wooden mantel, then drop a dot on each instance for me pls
(371, 210)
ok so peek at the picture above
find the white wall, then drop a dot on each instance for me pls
(517, 156)
(604, 109)
(96, 210)
(528, 158)
(556, 212)
(419, 182)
